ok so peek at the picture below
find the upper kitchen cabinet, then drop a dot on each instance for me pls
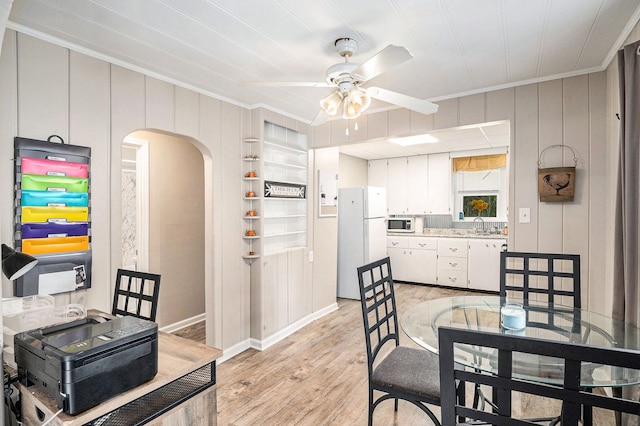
(417, 182)
(415, 185)
(397, 186)
(378, 173)
(439, 184)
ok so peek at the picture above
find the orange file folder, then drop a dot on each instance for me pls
(55, 214)
(54, 245)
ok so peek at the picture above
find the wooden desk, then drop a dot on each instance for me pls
(178, 359)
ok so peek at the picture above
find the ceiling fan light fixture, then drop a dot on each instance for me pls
(355, 103)
(331, 103)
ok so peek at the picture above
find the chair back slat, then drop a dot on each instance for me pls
(136, 294)
(378, 306)
(503, 384)
(518, 272)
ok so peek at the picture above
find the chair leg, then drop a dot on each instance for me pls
(395, 406)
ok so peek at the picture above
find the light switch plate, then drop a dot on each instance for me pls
(524, 215)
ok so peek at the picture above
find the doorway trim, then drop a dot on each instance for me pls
(142, 200)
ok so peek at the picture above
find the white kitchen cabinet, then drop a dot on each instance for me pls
(422, 260)
(452, 262)
(439, 184)
(413, 259)
(396, 250)
(378, 173)
(417, 178)
(484, 263)
(397, 185)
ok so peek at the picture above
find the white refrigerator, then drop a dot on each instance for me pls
(362, 234)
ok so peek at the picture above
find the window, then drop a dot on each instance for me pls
(480, 205)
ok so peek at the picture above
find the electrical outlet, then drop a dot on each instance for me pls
(524, 215)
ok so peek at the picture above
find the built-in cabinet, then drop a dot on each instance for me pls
(378, 173)
(453, 262)
(275, 218)
(419, 184)
(439, 184)
(484, 263)
(413, 259)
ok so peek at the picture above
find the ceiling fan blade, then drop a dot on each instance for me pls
(384, 60)
(285, 84)
(404, 101)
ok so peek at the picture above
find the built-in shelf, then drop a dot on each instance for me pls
(251, 163)
(285, 165)
(282, 234)
(279, 146)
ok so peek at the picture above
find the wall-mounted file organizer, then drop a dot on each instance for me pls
(52, 198)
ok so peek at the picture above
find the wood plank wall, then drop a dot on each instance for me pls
(570, 111)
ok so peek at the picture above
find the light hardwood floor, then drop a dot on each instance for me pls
(318, 375)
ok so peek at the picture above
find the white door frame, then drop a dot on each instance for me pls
(142, 201)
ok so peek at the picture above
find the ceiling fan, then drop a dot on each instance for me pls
(349, 78)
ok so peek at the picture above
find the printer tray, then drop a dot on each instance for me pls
(83, 380)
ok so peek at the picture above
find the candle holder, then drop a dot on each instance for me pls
(513, 316)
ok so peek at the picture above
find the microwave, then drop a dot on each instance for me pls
(400, 225)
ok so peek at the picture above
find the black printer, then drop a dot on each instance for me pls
(85, 362)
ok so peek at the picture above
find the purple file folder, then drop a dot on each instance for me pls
(54, 229)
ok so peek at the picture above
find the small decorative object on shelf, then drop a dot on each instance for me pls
(250, 194)
(251, 174)
(250, 233)
(251, 213)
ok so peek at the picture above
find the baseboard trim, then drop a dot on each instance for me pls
(261, 345)
(172, 328)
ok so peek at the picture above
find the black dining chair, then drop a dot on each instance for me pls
(136, 294)
(567, 360)
(550, 277)
(396, 371)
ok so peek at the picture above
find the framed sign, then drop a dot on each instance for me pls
(557, 183)
(284, 190)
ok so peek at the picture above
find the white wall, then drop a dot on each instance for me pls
(46, 89)
(352, 172)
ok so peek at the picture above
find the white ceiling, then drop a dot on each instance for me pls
(459, 46)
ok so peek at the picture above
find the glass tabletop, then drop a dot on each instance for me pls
(556, 322)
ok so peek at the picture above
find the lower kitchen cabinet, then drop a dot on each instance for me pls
(413, 259)
(452, 262)
(484, 263)
(472, 263)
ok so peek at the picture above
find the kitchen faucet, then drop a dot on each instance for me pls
(478, 218)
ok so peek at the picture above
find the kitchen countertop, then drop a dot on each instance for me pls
(448, 233)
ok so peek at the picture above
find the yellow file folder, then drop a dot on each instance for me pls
(55, 214)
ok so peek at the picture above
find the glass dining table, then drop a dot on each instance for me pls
(556, 322)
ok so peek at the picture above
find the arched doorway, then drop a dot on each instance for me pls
(173, 212)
